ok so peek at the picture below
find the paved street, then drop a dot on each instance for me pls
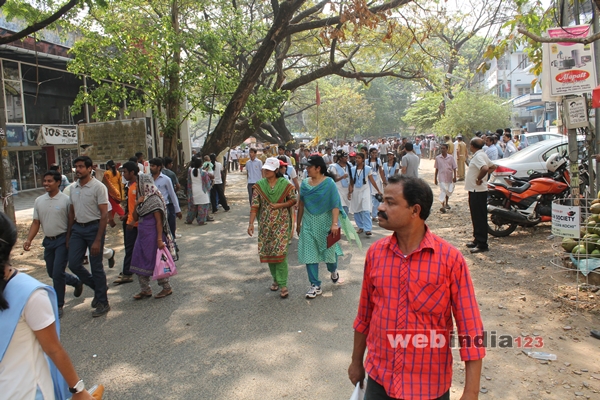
(224, 335)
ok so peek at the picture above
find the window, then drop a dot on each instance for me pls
(504, 62)
(524, 90)
(523, 61)
(12, 92)
(561, 149)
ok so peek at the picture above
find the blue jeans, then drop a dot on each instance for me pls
(55, 256)
(82, 238)
(313, 271)
(363, 220)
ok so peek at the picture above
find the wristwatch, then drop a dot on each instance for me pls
(78, 388)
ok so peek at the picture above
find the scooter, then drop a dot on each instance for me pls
(527, 203)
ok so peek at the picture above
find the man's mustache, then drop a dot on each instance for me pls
(382, 215)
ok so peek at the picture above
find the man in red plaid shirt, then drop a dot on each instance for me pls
(414, 282)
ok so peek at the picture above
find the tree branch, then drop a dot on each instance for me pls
(321, 23)
(39, 25)
(540, 39)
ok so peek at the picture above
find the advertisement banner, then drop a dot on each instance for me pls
(52, 135)
(572, 67)
(565, 221)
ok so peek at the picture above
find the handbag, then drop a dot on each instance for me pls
(333, 238)
(359, 392)
(165, 266)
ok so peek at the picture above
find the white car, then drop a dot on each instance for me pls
(536, 137)
(532, 158)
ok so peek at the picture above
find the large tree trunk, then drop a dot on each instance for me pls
(171, 134)
(221, 137)
(284, 133)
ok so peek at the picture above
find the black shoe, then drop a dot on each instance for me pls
(471, 245)
(111, 261)
(94, 303)
(479, 250)
(60, 312)
(100, 310)
(78, 289)
(595, 334)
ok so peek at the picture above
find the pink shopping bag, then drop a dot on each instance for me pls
(165, 266)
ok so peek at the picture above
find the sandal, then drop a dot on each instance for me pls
(142, 295)
(368, 233)
(274, 287)
(163, 293)
(360, 231)
(284, 292)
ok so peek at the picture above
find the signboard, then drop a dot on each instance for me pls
(572, 67)
(53, 135)
(565, 221)
(576, 115)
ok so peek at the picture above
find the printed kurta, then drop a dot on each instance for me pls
(274, 225)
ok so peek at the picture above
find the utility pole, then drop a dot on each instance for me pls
(597, 110)
(5, 177)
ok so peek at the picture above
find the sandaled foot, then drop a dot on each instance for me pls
(163, 293)
(284, 292)
(360, 231)
(142, 295)
(368, 233)
(274, 287)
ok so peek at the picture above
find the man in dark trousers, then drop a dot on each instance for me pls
(476, 184)
(414, 283)
(88, 216)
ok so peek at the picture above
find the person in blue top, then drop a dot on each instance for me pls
(319, 211)
(33, 363)
(391, 167)
(361, 204)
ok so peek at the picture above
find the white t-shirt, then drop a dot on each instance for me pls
(24, 367)
(200, 197)
(217, 173)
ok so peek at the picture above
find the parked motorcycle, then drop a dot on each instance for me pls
(527, 201)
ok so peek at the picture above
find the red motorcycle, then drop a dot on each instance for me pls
(527, 201)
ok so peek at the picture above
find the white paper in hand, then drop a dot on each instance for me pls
(359, 393)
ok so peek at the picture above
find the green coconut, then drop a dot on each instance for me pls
(579, 249)
(568, 244)
(595, 208)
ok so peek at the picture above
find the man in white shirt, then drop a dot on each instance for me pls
(328, 157)
(234, 160)
(383, 150)
(51, 212)
(479, 166)
(217, 192)
(254, 171)
(510, 147)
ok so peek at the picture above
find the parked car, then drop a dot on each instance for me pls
(532, 158)
(535, 137)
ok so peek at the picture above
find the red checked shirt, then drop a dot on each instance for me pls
(406, 304)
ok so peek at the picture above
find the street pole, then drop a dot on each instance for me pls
(5, 176)
(596, 111)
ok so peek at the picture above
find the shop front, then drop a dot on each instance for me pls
(40, 128)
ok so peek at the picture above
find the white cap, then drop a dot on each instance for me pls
(271, 163)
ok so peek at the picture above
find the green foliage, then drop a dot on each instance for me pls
(472, 111)
(265, 105)
(344, 112)
(425, 112)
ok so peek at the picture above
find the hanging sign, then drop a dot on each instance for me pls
(576, 115)
(565, 221)
(572, 67)
(52, 135)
